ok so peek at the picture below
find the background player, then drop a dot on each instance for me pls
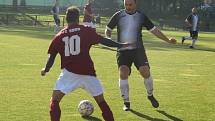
(192, 21)
(55, 11)
(129, 24)
(88, 15)
(73, 44)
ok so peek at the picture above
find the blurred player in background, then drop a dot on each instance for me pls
(192, 22)
(129, 23)
(55, 11)
(88, 15)
(73, 43)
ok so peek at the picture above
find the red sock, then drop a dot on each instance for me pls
(55, 111)
(106, 112)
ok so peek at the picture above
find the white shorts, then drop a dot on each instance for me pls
(68, 82)
(90, 24)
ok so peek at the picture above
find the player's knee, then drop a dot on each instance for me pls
(144, 71)
(124, 72)
(146, 75)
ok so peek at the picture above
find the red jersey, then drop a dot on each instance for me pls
(73, 44)
(88, 18)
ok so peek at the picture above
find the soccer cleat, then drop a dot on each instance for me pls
(182, 40)
(191, 47)
(153, 101)
(126, 106)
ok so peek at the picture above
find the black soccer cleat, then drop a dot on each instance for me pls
(126, 106)
(153, 101)
(182, 40)
(191, 47)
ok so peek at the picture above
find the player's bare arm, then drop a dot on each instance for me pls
(49, 64)
(160, 35)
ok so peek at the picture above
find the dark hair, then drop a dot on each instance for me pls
(72, 14)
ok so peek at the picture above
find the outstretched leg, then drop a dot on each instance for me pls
(148, 81)
(55, 111)
(106, 111)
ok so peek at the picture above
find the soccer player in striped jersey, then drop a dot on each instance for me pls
(192, 22)
(129, 23)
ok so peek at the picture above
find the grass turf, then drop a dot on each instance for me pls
(183, 79)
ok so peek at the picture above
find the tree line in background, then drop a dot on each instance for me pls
(157, 8)
(171, 12)
(154, 7)
(163, 11)
(168, 8)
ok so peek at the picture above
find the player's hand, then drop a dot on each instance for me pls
(43, 72)
(172, 41)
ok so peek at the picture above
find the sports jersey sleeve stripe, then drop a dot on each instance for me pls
(108, 28)
(113, 21)
(148, 23)
(189, 18)
(152, 28)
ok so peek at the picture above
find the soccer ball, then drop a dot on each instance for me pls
(85, 108)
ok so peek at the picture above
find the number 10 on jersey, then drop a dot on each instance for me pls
(72, 45)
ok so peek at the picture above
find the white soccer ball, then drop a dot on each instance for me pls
(85, 108)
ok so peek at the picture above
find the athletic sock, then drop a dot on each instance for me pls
(124, 89)
(106, 112)
(189, 38)
(193, 42)
(149, 85)
(55, 111)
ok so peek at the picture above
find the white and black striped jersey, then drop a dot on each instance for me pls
(129, 26)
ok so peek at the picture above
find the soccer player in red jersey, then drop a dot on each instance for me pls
(88, 15)
(73, 44)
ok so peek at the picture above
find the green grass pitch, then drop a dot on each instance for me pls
(183, 79)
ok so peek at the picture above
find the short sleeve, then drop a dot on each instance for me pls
(113, 21)
(147, 23)
(189, 17)
(52, 47)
